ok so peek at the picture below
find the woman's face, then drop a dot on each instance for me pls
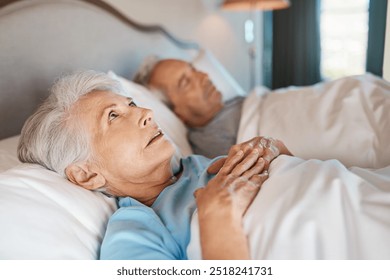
(128, 147)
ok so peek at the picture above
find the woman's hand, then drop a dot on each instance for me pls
(269, 149)
(236, 185)
(224, 201)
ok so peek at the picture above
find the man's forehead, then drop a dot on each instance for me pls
(174, 64)
(169, 72)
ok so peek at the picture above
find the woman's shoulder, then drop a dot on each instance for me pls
(197, 162)
(196, 166)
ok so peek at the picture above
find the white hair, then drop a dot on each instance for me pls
(51, 137)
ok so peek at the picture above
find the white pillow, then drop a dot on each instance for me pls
(8, 157)
(206, 62)
(172, 126)
(222, 79)
(44, 216)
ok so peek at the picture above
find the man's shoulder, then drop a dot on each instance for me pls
(236, 101)
(230, 113)
(220, 133)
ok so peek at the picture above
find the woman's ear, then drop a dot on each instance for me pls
(82, 175)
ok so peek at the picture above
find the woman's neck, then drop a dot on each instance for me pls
(172, 180)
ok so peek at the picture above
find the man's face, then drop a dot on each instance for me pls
(128, 147)
(194, 97)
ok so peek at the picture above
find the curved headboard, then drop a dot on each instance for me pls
(42, 39)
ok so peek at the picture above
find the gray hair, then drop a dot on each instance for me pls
(50, 137)
(143, 75)
(145, 70)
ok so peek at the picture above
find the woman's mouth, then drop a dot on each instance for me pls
(157, 136)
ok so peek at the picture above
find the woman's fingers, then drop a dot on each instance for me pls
(257, 168)
(231, 162)
(216, 166)
(253, 183)
(239, 164)
(258, 179)
(198, 192)
(244, 192)
(246, 164)
(241, 156)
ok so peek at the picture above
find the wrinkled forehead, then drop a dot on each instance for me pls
(98, 97)
(92, 104)
(171, 69)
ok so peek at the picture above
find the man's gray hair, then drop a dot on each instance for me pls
(143, 75)
(145, 70)
(51, 137)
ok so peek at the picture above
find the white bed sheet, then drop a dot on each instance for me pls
(312, 209)
(346, 119)
(333, 202)
(307, 209)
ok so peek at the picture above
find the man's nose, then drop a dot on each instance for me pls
(204, 78)
(146, 117)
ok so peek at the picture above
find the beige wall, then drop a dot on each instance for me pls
(219, 31)
(386, 63)
(202, 21)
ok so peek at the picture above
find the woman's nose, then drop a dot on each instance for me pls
(146, 117)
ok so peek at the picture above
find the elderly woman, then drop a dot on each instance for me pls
(91, 133)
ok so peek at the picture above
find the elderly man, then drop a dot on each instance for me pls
(213, 125)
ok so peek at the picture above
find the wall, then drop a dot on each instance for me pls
(386, 63)
(219, 31)
(204, 22)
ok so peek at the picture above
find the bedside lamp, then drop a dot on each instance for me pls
(255, 4)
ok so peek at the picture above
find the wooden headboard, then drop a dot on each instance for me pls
(42, 39)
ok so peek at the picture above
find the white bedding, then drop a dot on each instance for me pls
(326, 204)
(312, 209)
(307, 209)
(346, 119)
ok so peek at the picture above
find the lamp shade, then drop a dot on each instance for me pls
(255, 4)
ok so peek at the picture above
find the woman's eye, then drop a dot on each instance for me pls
(132, 104)
(112, 115)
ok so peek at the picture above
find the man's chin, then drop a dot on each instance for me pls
(200, 121)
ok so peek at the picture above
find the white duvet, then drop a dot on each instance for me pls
(346, 119)
(333, 200)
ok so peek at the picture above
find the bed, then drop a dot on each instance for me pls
(54, 224)
(346, 170)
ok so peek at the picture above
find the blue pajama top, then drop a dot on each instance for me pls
(162, 231)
